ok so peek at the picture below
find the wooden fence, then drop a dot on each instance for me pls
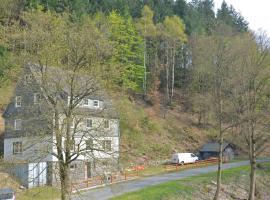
(132, 173)
(105, 179)
(175, 167)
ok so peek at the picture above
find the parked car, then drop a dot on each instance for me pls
(7, 194)
(183, 158)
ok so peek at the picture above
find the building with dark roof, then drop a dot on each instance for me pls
(211, 149)
(28, 140)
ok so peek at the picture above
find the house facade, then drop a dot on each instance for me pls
(29, 140)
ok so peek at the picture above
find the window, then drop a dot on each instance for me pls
(28, 78)
(96, 103)
(89, 144)
(17, 147)
(36, 98)
(85, 102)
(107, 145)
(73, 167)
(106, 124)
(18, 124)
(18, 101)
(89, 123)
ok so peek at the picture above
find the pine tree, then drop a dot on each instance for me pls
(128, 51)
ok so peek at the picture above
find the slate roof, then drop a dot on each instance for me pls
(213, 147)
(57, 76)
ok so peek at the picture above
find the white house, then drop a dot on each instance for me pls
(29, 140)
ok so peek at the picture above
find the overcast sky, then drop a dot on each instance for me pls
(257, 13)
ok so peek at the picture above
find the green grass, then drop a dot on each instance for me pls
(158, 192)
(184, 188)
(41, 193)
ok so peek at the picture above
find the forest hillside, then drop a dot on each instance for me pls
(171, 67)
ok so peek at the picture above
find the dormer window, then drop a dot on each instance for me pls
(18, 124)
(18, 101)
(96, 103)
(36, 98)
(28, 78)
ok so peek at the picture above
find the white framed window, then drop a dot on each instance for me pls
(96, 103)
(73, 166)
(18, 101)
(17, 147)
(106, 124)
(106, 145)
(85, 102)
(18, 124)
(36, 98)
(89, 123)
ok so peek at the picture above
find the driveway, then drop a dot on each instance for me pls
(140, 183)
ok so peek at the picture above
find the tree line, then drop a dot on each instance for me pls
(150, 47)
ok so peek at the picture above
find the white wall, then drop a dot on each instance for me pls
(34, 149)
(37, 149)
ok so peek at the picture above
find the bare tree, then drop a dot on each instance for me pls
(251, 98)
(70, 131)
(214, 75)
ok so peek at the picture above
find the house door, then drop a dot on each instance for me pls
(89, 169)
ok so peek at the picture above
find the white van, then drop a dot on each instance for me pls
(182, 158)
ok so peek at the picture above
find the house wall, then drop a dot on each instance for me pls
(29, 174)
(34, 149)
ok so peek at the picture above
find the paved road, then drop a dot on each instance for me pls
(129, 186)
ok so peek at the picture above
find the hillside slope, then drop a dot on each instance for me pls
(145, 133)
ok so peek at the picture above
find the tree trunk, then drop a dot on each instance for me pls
(220, 109)
(173, 66)
(219, 167)
(65, 181)
(167, 76)
(252, 185)
(252, 158)
(144, 65)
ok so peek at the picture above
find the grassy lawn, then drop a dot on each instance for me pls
(160, 169)
(185, 188)
(41, 193)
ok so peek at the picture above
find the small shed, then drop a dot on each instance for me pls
(30, 175)
(211, 149)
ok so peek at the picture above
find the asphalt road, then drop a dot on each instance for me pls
(140, 183)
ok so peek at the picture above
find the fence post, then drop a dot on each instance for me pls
(125, 175)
